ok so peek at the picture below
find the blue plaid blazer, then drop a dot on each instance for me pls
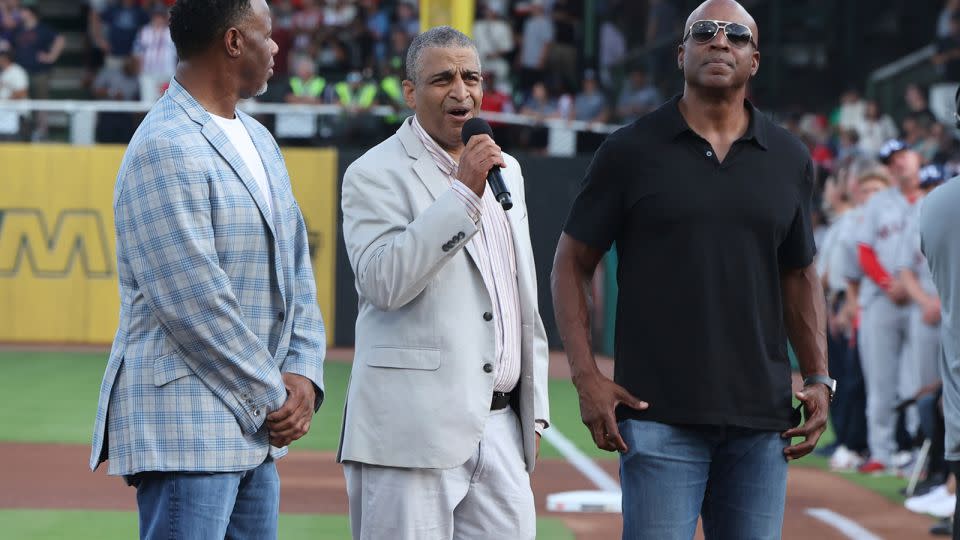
(216, 299)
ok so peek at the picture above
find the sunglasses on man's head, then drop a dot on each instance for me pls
(737, 34)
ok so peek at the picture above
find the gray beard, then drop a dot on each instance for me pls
(261, 91)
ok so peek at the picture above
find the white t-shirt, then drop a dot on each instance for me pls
(13, 79)
(158, 51)
(241, 141)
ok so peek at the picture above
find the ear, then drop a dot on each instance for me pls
(408, 91)
(233, 42)
(755, 63)
(680, 55)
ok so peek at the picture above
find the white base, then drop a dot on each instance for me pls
(584, 501)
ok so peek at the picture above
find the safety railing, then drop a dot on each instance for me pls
(82, 115)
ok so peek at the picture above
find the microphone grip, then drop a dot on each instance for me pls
(495, 181)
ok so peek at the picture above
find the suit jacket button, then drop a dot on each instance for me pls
(488, 316)
(446, 247)
(281, 316)
(488, 367)
(461, 236)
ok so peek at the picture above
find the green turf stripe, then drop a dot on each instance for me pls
(52, 398)
(104, 525)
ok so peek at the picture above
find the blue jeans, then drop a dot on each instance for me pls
(209, 506)
(735, 477)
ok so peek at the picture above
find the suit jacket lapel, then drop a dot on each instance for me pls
(430, 175)
(517, 229)
(221, 143)
(428, 172)
(274, 174)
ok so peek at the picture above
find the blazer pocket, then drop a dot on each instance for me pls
(404, 358)
(169, 368)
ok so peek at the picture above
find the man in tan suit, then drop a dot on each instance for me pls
(448, 392)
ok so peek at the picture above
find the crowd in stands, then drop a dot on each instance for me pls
(351, 53)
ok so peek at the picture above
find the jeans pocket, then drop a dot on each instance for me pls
(627, 433)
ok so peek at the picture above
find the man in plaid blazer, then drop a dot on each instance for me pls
(217, 362)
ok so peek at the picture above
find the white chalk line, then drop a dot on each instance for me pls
(580, 461)
(851, 529)
(600, 478)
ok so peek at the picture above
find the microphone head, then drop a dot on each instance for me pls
(475, 126)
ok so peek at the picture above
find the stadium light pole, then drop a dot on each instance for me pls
(456, 13)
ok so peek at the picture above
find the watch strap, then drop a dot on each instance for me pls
(831, 384)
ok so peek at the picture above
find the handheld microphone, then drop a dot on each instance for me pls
(479, 126)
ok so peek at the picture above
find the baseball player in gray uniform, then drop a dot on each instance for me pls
(939, 222)
(918, 281)
(865, 179)
(884, 302)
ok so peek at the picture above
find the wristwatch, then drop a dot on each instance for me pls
(831, 384)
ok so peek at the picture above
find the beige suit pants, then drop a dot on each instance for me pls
(489, 496)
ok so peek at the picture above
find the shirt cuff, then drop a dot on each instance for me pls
(470, 201)
(539, 426)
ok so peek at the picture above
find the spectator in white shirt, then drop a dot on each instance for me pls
(613, 51)
(14, 81)
(157, 54)
(852, 110)
(14, 84)
(874, 129)
(538, 34)
(494, 39)
(339, 13)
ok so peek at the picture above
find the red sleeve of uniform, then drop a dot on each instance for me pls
(872, 267)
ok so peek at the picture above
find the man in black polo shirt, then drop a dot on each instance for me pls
(708, 203)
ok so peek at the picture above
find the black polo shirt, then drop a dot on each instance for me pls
(700, 243)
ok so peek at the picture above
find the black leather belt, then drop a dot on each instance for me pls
(499, 401)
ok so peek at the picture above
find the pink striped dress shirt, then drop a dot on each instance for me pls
(497, 262)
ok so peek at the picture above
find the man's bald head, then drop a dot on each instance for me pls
(724, 10)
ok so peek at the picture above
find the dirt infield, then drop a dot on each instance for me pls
(56, 477)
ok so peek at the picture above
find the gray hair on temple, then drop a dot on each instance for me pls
(438, 37)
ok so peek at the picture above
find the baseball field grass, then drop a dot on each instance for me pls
(51, 397)
(103, 525)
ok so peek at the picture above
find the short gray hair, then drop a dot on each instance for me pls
(438, 37)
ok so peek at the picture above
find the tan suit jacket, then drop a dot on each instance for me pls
(421, 382)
